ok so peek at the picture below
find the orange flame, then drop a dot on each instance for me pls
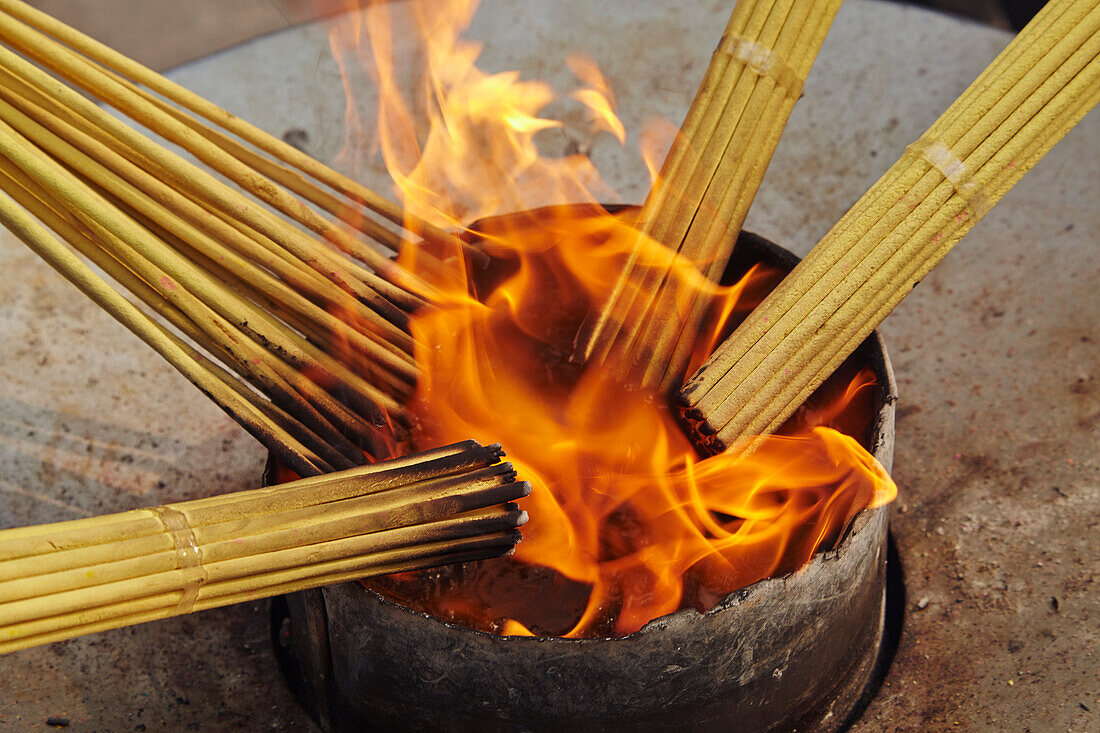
(463, 146)
(654, 141)
(626, 521)
(597, 96)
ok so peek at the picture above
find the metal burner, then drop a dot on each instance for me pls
(796, 652)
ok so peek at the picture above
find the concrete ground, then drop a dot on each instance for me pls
(165, 33)
(996, 355)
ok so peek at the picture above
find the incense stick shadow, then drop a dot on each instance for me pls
(60, 466)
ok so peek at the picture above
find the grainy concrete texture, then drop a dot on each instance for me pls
(996, 356)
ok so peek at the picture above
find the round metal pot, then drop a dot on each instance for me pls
(789, 653)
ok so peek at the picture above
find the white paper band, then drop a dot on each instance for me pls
(763, 61)
(943, 159)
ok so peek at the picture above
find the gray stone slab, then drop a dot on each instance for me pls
(996, 354)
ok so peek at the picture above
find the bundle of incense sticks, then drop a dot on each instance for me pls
(441, 506)
(1038, 88)
(648, 327)
(298, 302)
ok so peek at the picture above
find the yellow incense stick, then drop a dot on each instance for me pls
(1030, 96)
(128, 68)
(697, 206)
(445, 505)
(37, 238)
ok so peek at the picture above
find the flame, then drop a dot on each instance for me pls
(655, 140)
(463, 145)
(597, 96)
(627, 522)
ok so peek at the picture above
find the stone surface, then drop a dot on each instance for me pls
(996, 356)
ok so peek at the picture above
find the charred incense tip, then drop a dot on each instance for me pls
(686, 395)
(689, 411)
(513, 514)
(713, 446)
(505, 469)
(694, 414)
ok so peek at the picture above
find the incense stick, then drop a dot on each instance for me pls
(128, 68)
(334, 449)
(468, 551)
(449, 460)
(399, 285)
(300, 458)
(183, 284)
(58, 580)
(270, 286)
(914, 269)
(648, 326)
(709, 241)
(368, 524)
(321, 337)
(1030, 96)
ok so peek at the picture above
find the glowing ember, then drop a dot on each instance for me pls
(627, 523)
